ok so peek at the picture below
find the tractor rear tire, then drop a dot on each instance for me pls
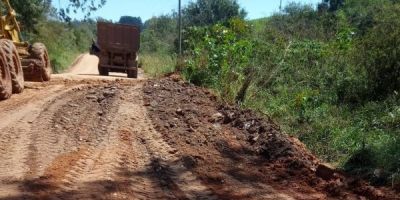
(133, 73)
(14, 65)
(5, 78)
(39, 51)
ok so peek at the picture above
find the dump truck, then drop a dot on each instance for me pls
(19, 60)
(117, 48)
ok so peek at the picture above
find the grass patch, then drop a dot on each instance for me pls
(61, 62)
(155, 64)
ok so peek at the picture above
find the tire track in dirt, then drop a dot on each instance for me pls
(45, 138)
(133, 162)
(216, 154)
(15, 140)
(168, 167)
(97, 141)
(27, 107)
(75, 128)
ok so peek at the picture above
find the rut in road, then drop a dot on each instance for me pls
(93, 142)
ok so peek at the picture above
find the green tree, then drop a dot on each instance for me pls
(298, 21)
(209, 12)
(84, 6)
(380, 52)
(29, 13)
(159, 34)
(331, 5)
(137, 21)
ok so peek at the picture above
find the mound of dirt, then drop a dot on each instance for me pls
(238, 153)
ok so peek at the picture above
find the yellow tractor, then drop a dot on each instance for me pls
(19, 61)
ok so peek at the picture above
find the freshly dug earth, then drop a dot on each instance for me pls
(87, 140)
(240, 155)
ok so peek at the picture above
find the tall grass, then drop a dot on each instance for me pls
(157, 64)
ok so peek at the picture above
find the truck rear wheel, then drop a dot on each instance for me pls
(5, 78)
(14, 65)
(133, 73)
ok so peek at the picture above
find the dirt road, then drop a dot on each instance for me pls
(85, 68)
(82, 136)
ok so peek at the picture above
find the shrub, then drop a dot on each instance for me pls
(380, 53)
(217, 57)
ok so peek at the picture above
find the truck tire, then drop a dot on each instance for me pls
(133, 73)
(14, 65)
(5, 78)
(103, 59)
(103, 71)
(39, 51)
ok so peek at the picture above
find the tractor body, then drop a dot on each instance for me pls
(19, 60)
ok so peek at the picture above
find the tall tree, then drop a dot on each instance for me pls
(207, 12)
(29, 12)
(84, 6)
(331, 5)
(158, 34)
(137, 21)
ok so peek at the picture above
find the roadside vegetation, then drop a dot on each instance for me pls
(64, 41)
(158, 53)
(329, 75)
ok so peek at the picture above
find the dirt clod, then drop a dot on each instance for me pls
(325, 171)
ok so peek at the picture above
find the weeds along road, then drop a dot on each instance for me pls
(82, 136)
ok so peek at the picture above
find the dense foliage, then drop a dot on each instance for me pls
(158, 41)
(30, 12)
(159, 34)
(219, 56)
(64, 41)
(137, 21)
(209, 12)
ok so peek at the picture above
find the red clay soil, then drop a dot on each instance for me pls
(239, 154)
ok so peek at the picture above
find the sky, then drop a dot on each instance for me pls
(146, 9)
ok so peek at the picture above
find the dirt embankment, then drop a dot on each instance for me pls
(239, 154)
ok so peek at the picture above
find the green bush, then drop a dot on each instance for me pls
(217, 57)
(159, 35)
(380, 53)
